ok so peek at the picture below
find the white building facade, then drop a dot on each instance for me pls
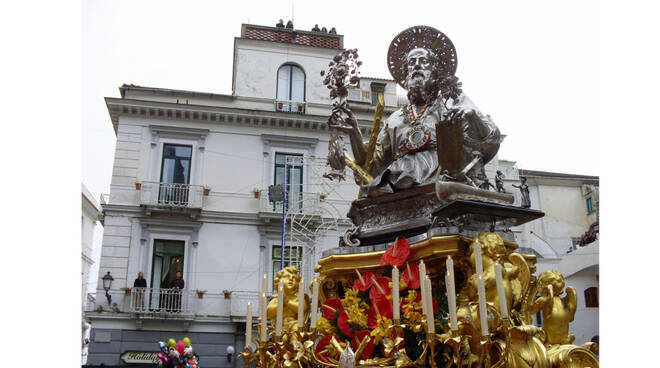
(189, 194)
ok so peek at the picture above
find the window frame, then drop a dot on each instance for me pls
(274, 269)
(163, 157)
(591, 297)
(590, 205)
(290, 89)
(302, 171)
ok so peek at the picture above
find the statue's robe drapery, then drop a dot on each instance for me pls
(395, 168)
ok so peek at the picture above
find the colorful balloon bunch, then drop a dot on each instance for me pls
(177, 354)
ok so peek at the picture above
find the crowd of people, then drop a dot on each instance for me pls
(289, 25)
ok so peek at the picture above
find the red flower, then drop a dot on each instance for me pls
(396, 257)
(368, 351)
(330, 308)
(411, 275)
(384, 308)
(367, 282)
(321, 348)
(375, 293)
(342, 323)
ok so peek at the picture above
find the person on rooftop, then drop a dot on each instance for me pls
(316, 28)
(289, 25)
(324, 30)
(280, 24)
(333, 30)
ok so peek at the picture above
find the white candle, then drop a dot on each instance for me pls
(280, 309)
(483, 312)
(301, 302)
(315, 303)
(500, 291)
(451, 294)
(395, 293)
(264, 289)
(422, 285)
(477, 258)
(451, 301)
(430, 321)
(248, 325)
(262, 315)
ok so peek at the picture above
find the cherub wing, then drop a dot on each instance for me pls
(520, 284)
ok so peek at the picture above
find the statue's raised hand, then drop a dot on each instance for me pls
(347, 125)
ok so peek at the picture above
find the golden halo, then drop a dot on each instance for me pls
(425, 37)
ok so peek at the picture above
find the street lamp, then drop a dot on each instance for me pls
(107, 282)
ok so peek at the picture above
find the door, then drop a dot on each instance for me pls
(168, 258)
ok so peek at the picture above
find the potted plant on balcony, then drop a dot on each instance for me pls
(227, 293)
(322, 197)
(300, 107)
(200, 293)
(127, 290)
(256, 192)
(138, 186)
(207, 191)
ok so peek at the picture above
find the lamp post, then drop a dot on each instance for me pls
(107, 282)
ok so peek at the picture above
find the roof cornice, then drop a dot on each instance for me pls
(217, 114)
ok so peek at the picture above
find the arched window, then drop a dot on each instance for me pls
(290, 89)
(591, 297)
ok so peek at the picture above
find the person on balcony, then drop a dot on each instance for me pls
(177, 285)
(289, 25)
(333, 30)
(280, 24)
(139, 285)
(316, 28)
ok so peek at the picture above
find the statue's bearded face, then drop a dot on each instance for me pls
(419, 67)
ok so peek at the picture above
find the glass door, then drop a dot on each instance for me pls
(168, 259)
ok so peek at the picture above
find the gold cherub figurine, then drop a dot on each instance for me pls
(290, 278)
(557, 312)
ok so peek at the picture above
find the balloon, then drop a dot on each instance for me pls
(186, 341)
(180, 346)
(171, 343)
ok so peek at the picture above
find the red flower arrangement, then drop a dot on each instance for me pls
(381, 290)
(411, 275)
(366, 278)
(321, 350)
(342, 323)
(368, 351)
(397, 254)
(330, 308)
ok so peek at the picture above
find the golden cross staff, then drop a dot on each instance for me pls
(363, 171)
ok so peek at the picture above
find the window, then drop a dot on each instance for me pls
(175, 175)
(292, 257)
(376, 88)
(290, 165)
(290, 89)
(591, 297)
(167, 261)
(176, 164)
(590, 205)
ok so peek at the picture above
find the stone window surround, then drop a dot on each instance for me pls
(284, 144)
(151, 229)
(161, 135)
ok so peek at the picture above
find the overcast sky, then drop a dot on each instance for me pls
(534, 67)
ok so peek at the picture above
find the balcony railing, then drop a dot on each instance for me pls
(161, 301)
(171, 195)
(301, 202)
(297, 107)
(154, 303)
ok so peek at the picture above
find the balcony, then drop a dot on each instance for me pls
(295, 107)
(155, 303)
(157, 195)
(303, 203)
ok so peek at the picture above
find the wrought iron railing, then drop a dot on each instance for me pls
(297, 107)
(161, 301)
(171, 195)
(299, 202)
